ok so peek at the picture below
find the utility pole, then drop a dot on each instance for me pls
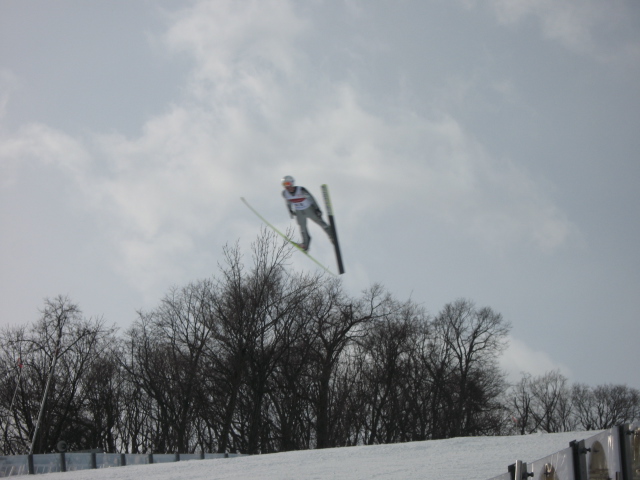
(46, 389)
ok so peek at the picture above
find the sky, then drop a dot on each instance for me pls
(485, 150)
(480, 458)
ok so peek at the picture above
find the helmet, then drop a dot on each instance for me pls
(288, 181)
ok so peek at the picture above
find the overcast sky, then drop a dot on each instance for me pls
(479, 149)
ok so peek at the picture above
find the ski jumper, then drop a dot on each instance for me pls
(302, 204)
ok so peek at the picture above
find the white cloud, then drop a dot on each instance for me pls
(248, 116)
(8, 83)
(605, 30)
(521, 358)
(237, 47)
(251, 124)
(435, 162)
(156, 195)
(35, 144)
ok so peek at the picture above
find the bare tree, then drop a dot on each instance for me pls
(336, 321)
(58, 352)
(551, 408)
(257, 319)
(433, 379)
(103, 384)
(605, 406)
(264, 359)
(521, 405)
(387, 357)
(474, 338)
(542, 403)
(168, 346)
(14, 433)
(289, 394)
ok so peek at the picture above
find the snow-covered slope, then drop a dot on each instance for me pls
(478, 458)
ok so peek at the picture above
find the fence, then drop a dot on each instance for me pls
(67, 462)
(610, 455)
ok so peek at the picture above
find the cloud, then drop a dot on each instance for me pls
(569, 22)
(435, 163)
(252, 111)
(238, 48)
(37, 144)
(8, 83)
(250, 123)
(521, 358)
(605, 30)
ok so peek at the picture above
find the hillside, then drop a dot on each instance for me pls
(478, 458)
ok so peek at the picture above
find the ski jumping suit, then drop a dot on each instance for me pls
(302, 204)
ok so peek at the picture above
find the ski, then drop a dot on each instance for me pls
(286, 238)
(332, 222)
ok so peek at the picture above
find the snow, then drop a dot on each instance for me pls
(475, 458)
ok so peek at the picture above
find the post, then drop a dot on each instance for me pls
(579, 459)
(63, 462)
(521, 470)
(46, 388)
(625, 433)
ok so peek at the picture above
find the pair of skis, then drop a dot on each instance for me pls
(332, 223)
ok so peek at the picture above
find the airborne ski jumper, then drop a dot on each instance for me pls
(301, 204)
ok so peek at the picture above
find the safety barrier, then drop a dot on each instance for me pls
(609, 455)
(67, 462)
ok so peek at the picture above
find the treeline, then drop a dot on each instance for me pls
(263, 359)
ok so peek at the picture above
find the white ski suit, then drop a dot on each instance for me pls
(302, 204)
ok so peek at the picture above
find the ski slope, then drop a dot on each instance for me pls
(476, 458)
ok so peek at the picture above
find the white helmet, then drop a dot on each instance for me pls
(288, 181)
